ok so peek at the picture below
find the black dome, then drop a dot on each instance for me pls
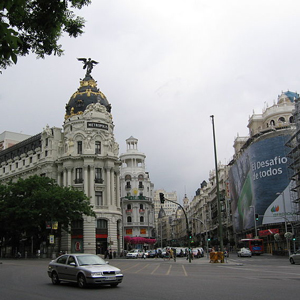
(88, 93)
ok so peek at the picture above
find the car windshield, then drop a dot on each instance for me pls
(84, 260)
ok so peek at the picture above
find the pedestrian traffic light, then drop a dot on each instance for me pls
(162, 198)
(256, 217)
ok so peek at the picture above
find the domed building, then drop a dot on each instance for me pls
(83, 154)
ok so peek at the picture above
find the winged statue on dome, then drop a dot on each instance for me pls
(88, 64)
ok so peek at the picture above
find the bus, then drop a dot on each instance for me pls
(255, 245)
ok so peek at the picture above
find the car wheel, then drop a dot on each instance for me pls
(81, 281)
(114, 284)
(292, 261)
(55, 278)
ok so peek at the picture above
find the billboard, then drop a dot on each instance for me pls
(259, 183)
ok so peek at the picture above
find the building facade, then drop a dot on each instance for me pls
(83, 154)
(136, 196)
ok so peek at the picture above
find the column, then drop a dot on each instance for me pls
(86, 180)
(108, 194)
(92, 189)
(112, 186)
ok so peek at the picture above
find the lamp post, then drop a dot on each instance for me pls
(254, 216)
(218, 189)
(206, 237)
(285, 222)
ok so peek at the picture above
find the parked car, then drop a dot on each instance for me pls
(151, 253)
(198, 254)
(295, 257)
(136, 253)
(83, 269)
(244, 252)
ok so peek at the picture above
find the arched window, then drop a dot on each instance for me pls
(127, 178)
(128, 206)
(292, 119)
(141, 206)
(141, 177)
(281, 119)
(129, 220)
(272, 123)
(142, 219)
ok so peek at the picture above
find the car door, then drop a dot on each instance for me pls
(297, 257)
(70, 269)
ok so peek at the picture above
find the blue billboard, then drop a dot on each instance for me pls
(259, 183)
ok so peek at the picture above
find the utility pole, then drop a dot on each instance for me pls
(218, 189)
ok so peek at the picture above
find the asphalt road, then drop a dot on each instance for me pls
(259, 277)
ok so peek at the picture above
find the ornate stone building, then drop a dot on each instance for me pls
(82, 154)
(136, 193)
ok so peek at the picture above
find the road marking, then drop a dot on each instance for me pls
(168, 272)
(142, 268)
(184, 271)
(155, 269)
(130, 267)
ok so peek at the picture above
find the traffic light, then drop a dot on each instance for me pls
(162, 198)
(256, 217)
(208, 239)
(294, 238)
(190, 235)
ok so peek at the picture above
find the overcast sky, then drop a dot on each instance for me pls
(166, 66)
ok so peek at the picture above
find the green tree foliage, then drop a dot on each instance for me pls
(36, 26)
(26, 206)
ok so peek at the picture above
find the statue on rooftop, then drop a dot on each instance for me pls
(88, 64)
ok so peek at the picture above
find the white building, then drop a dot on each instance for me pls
(83, 154)
(136, 193)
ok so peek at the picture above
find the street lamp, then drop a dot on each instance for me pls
(218, 189)
(254, 216)
(285, 222)
(206, 237)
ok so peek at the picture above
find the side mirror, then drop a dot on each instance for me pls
(72, 264)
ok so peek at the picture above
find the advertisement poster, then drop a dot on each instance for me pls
(258, 181)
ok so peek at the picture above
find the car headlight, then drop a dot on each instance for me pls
(96, 274)
(118, 272)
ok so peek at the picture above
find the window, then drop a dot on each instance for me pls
(46, 153)
(127, 178)
(98, 175)
(3, 170)
(128, 206)
(129, 219)
(141, 206)
(97, 147)
(142, 219)
(128, 185)
(47, 142)
(78, 178)
(17, 165)
(77, 224)
(79, 147)
(101, 224)
(99, 199)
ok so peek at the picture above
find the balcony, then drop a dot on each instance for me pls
(78, 180)
(141, 186)
(128, 186)
(142, 211)
(128, 211)
(99, 180)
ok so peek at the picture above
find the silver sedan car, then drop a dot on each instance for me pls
(83, 269)
(295, 258)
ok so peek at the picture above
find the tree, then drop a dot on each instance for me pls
(36, 26)
(26, 206)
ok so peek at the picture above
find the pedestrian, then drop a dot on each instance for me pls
(174, 254)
